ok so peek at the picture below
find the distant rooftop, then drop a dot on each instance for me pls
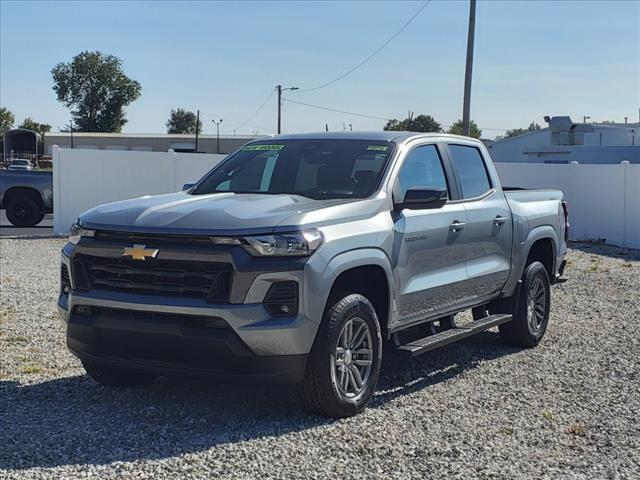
(147, 135)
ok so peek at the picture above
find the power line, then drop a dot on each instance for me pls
(257, 111)
(335, 110)
(372, 54)
(207, 118)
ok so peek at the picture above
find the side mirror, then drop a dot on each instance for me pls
(187, 186)
(424, 197)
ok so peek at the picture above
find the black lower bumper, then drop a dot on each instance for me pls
(174, 345)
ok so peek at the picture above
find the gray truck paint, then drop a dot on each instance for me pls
(40, 183)
(430, 271)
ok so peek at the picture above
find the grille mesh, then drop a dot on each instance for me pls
(206, 280)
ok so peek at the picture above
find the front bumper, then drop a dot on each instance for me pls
(184, 336)
(164, 341)
(174, 345)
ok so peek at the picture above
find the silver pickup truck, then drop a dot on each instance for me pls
(26, 196)
(299, 257)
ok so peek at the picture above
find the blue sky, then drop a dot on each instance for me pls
(531, 59)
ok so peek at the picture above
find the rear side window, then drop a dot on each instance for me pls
(422, 168)
(471, 170)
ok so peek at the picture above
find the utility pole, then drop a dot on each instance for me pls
(71, 131)
(197, 129)
(280, 90)
(466, 107)
(217, 124)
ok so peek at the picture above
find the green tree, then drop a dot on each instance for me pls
(474, 131)
(421, 123)
(183, 121)
(31, 124)
(6, 121)
(96, 89)
(533, 126)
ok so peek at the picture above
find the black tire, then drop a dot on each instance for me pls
(322, 389)
(116, 377)
(531, 315)
(24, 211)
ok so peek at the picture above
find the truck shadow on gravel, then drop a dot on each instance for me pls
(72, 420)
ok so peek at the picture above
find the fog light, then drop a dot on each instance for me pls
(282, 299)
(65, 282)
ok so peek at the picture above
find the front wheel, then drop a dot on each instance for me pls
(531, 315)
(344, 363)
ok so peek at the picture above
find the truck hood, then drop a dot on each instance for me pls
(215, 214)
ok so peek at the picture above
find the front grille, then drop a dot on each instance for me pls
(207, 280)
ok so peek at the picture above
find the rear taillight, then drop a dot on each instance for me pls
(565, 209)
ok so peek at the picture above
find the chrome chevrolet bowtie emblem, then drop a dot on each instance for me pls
(140, 252)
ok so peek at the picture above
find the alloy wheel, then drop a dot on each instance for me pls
(536, 305)
(352, 359)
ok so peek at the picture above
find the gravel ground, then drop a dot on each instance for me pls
(567, 409)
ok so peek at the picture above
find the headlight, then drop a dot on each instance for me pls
(298, 244)
(77, 232)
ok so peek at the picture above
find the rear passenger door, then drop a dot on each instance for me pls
(488, 234)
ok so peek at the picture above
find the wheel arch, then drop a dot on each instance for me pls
(15, 192)
(543, 250)
(541, 235)
(364, 271)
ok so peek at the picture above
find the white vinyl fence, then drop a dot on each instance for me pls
(604, 200)
(83, 179)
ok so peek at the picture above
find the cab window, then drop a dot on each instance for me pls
(422, 168)
(471, 170)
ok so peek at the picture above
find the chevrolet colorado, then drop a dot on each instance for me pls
(299, 256)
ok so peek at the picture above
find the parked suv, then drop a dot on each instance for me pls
(299, 256)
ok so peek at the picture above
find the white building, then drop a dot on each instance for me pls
(154, 142)
(564, 142)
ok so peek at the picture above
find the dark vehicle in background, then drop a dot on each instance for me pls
(26, 196)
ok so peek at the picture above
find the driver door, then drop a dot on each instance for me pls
(429, 264)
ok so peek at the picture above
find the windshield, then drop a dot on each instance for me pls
(312, 168)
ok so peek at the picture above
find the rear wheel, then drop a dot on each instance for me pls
(116, 377)
(24, 211)
(344, 363)
(531, 315)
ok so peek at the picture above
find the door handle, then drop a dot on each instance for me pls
(499, 220)
(456, 226)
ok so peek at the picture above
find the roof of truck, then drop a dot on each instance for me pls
(384, 135)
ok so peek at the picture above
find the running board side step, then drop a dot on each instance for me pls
(431, 342)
